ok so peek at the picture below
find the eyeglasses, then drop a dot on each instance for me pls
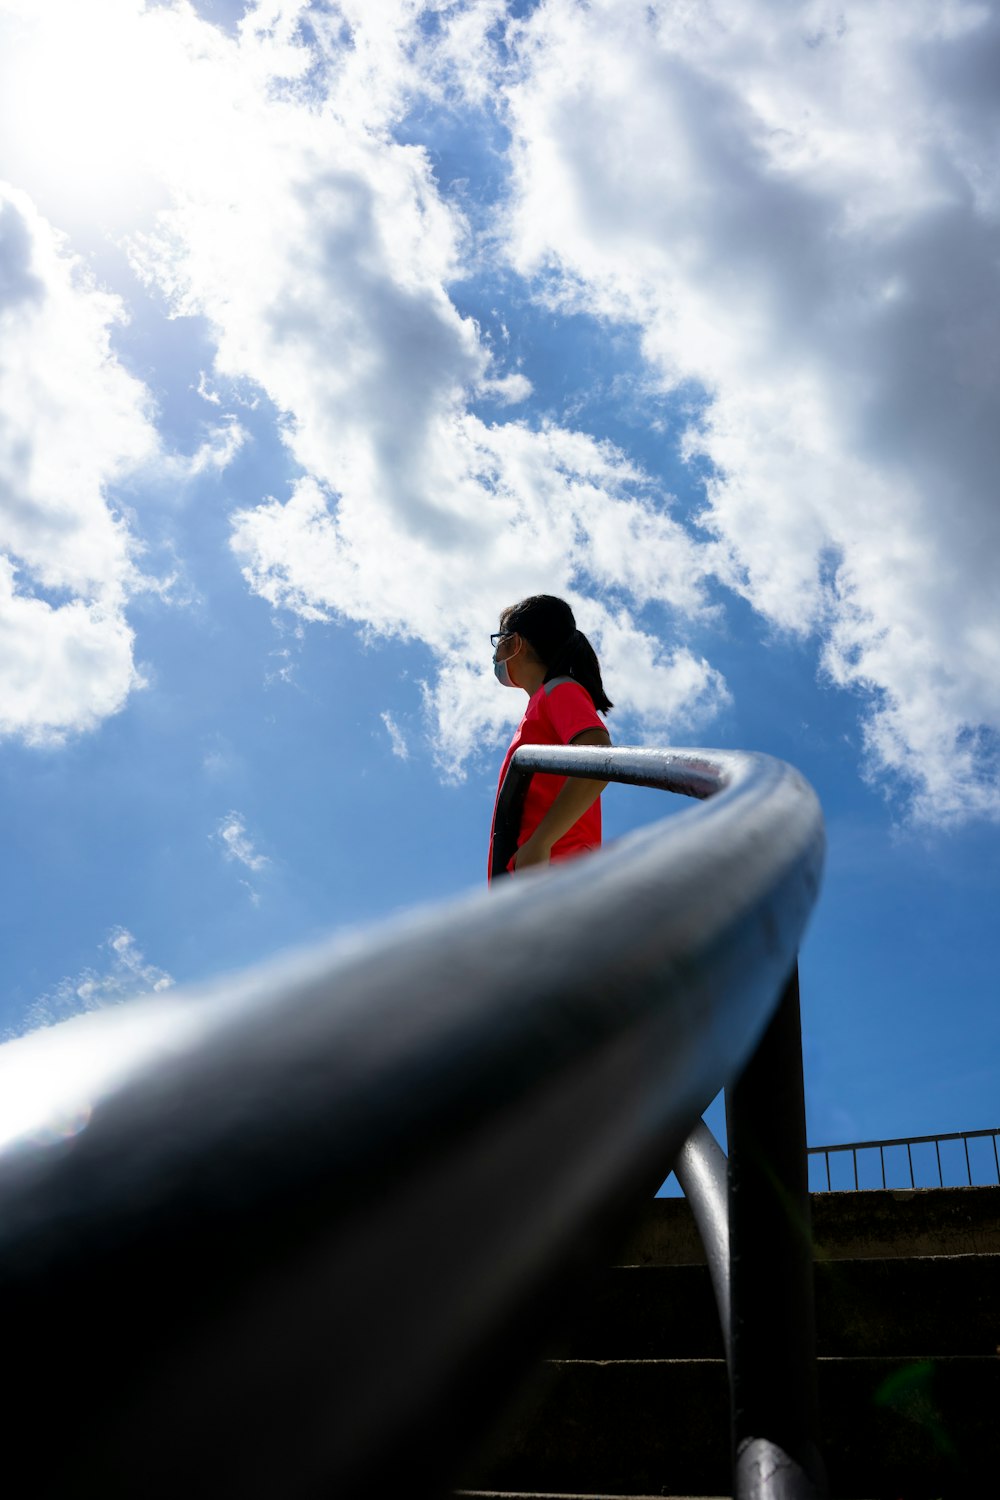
(501, 635)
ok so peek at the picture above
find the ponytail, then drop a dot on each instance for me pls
(549, 627)
(578, 660)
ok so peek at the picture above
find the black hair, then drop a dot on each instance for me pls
(549, 627)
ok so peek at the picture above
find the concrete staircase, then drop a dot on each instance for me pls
(635, 1403)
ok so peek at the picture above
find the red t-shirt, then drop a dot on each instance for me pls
(555, 715)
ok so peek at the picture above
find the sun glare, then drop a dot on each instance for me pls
(88, 109)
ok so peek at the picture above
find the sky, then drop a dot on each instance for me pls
(328, 330)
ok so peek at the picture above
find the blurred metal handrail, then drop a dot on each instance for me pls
(702, 1171)
(312, 1217)
(910, 1140)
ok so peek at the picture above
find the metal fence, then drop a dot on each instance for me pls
(961, 1165)
(302, 1232)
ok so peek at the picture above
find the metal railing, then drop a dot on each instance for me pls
(989, 1163)
(312, 1223)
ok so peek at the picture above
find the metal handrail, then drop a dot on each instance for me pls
(908, 1141)
(702, 1171)
(316, 1218)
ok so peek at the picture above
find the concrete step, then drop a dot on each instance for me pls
(653, 1427)
(924, 1221)
(846, 1226)
(920, 1306)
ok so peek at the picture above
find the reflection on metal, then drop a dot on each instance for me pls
(282, 1231)
(702, 1171)
(988, 1176)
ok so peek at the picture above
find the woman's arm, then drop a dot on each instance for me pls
(575, 797)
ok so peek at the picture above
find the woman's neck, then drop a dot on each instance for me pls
(530, 676)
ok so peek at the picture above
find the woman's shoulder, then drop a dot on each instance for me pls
(566, 687)
(568, 708)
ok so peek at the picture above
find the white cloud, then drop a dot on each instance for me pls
(72, 423)
(796, 206)
(213, 455)
(205, 391)
(237, 844)
(799, 207)
(125, 975)
(396, 737)
(508, 390)
(238, 847)
(414, 517)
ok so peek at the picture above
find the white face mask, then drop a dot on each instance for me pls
(500, 669)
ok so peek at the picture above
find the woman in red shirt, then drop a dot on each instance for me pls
(539, 649)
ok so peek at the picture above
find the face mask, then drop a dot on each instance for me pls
(501, 674)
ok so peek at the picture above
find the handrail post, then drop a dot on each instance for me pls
(775, 1409)
(702, 1171)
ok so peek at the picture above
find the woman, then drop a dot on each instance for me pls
(539, 649)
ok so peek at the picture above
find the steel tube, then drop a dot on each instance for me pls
(775, 1409)
(702, 1171)
(318, 1216)
(903, 1140)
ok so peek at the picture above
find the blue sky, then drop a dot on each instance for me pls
(328, 330)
